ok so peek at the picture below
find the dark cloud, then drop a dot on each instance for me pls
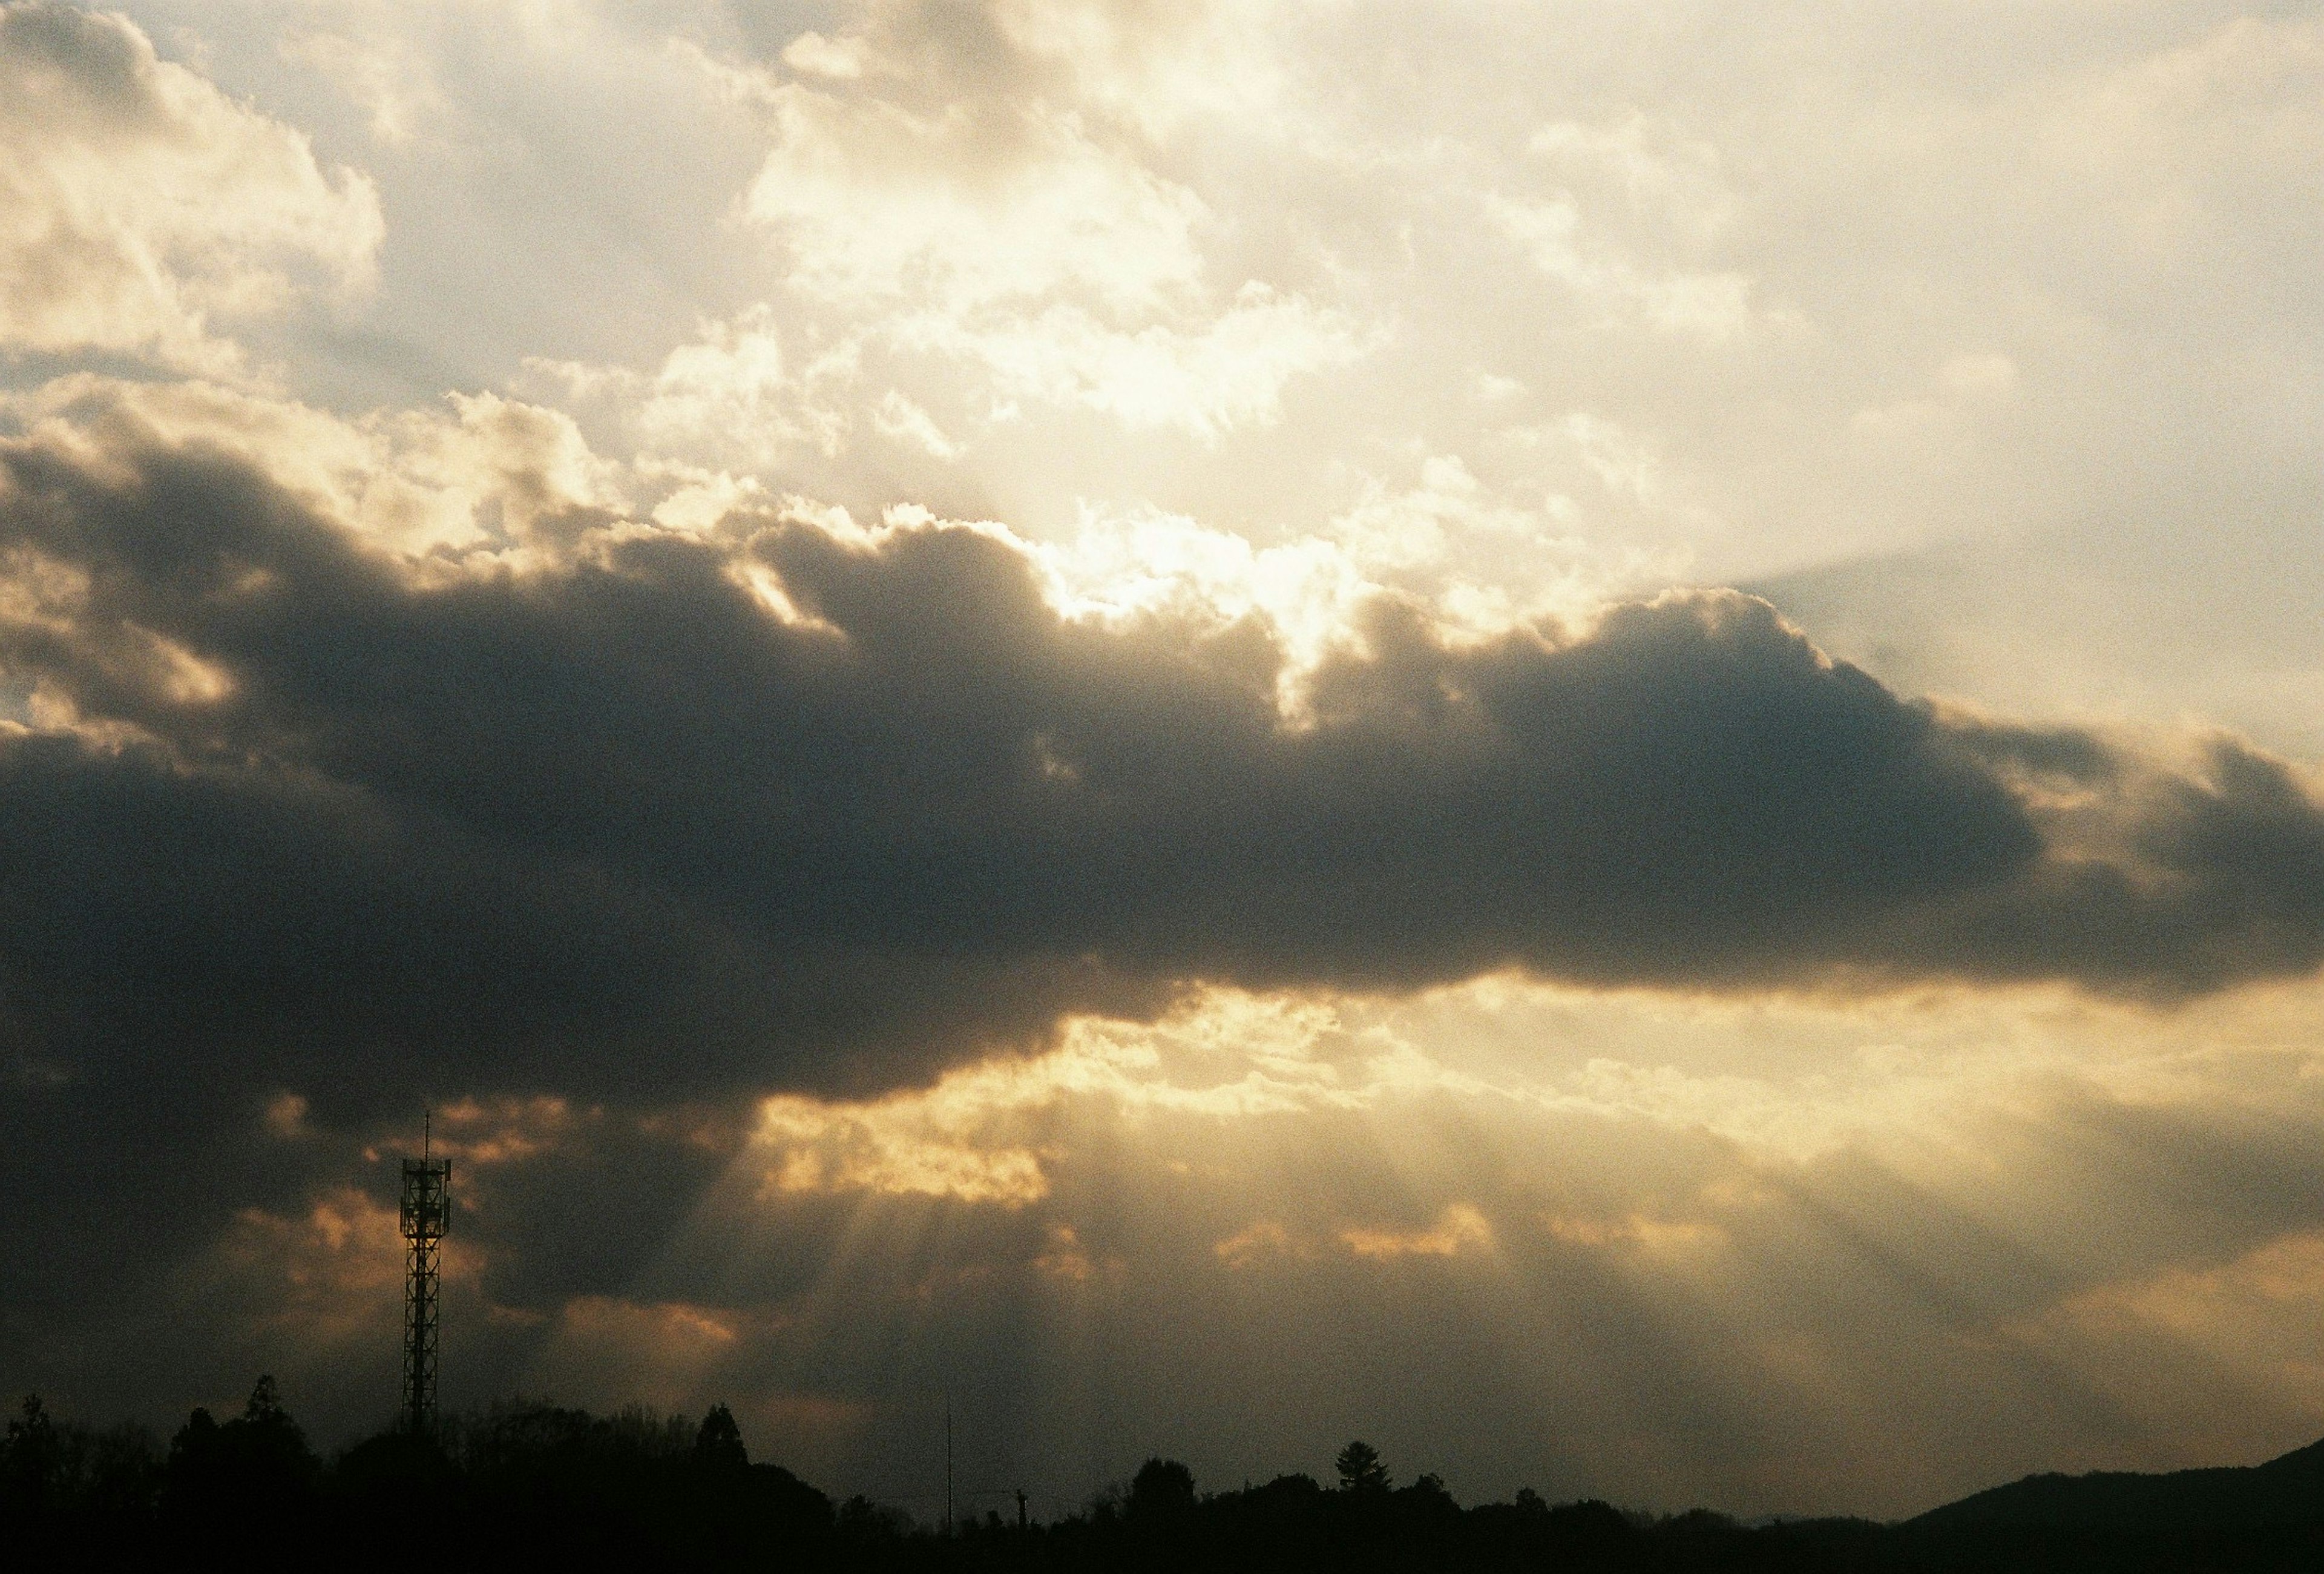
(610, 826)
(603, 825)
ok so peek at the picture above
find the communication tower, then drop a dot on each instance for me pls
(427, 1213)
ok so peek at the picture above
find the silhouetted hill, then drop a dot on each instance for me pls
(2259, 1518)
(2283, 1492)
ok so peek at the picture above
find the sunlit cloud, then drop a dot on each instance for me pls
(1228, 372)
(665, 1351)
(1714, 306)
(477, 473)
(336, 1260)
(982, 1133)
(1042, 702)
(1066, 1260)
(1257, 1243)
(286, 1116)
(383, 76)
(507, 1130)
(991, 204)
(1459, 1228)
(138, 202)
(1634, 1231)
(322, 1284)
(879, 1149)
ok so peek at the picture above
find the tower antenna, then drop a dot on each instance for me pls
(426, 1214)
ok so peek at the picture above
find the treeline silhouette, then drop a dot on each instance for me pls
(535, 1486)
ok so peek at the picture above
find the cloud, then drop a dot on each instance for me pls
(334, 1269)
(523, 822)
(1254, 1244)
(1228, 372)
(476, 472)
(1634, 1232)
(974, 194)
(378, 76)
(876, 868)
(138, 202)
(854, 962)
(1066, 1260)
(874, 202)
(1458, 1229)
(813, 1147)
(664, 1351)
(986, 1133)
(735, 380)
(1710, 305)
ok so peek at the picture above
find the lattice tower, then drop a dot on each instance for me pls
(427, 1213)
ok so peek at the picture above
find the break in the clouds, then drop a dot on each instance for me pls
(1203, 721)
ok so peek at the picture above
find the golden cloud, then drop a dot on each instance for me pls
(1460, 1229)
(1634, 1231)
(897, 1146)
(1261, 1241)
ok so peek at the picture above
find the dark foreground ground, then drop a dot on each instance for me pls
(525, 1486)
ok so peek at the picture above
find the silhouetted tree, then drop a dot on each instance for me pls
(115, 1474)
(31, 1459)
(255, 1469)
(394, 1470)
(197, 1464)
(1360, 1469)
(267, 1442)
(718, 1443)
(864, 1525)
(533, 1486)
(1427, 1501)
(1162, 1491)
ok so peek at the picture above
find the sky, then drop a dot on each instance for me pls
(1584, 737)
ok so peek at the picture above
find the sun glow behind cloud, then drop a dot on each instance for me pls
(1595, 1171)
(1384, 366)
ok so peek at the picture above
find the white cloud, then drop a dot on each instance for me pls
(875, 200)
(736, 387)
(1708, 305)
(979, 193)
(906, 422)
(138, 202)
(381, 76)
(1226, 372)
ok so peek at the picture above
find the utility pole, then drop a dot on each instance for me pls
(947, 1464)
(426, 1214)
(1020, 1508)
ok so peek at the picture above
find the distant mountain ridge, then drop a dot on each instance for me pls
(2284, 1493)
